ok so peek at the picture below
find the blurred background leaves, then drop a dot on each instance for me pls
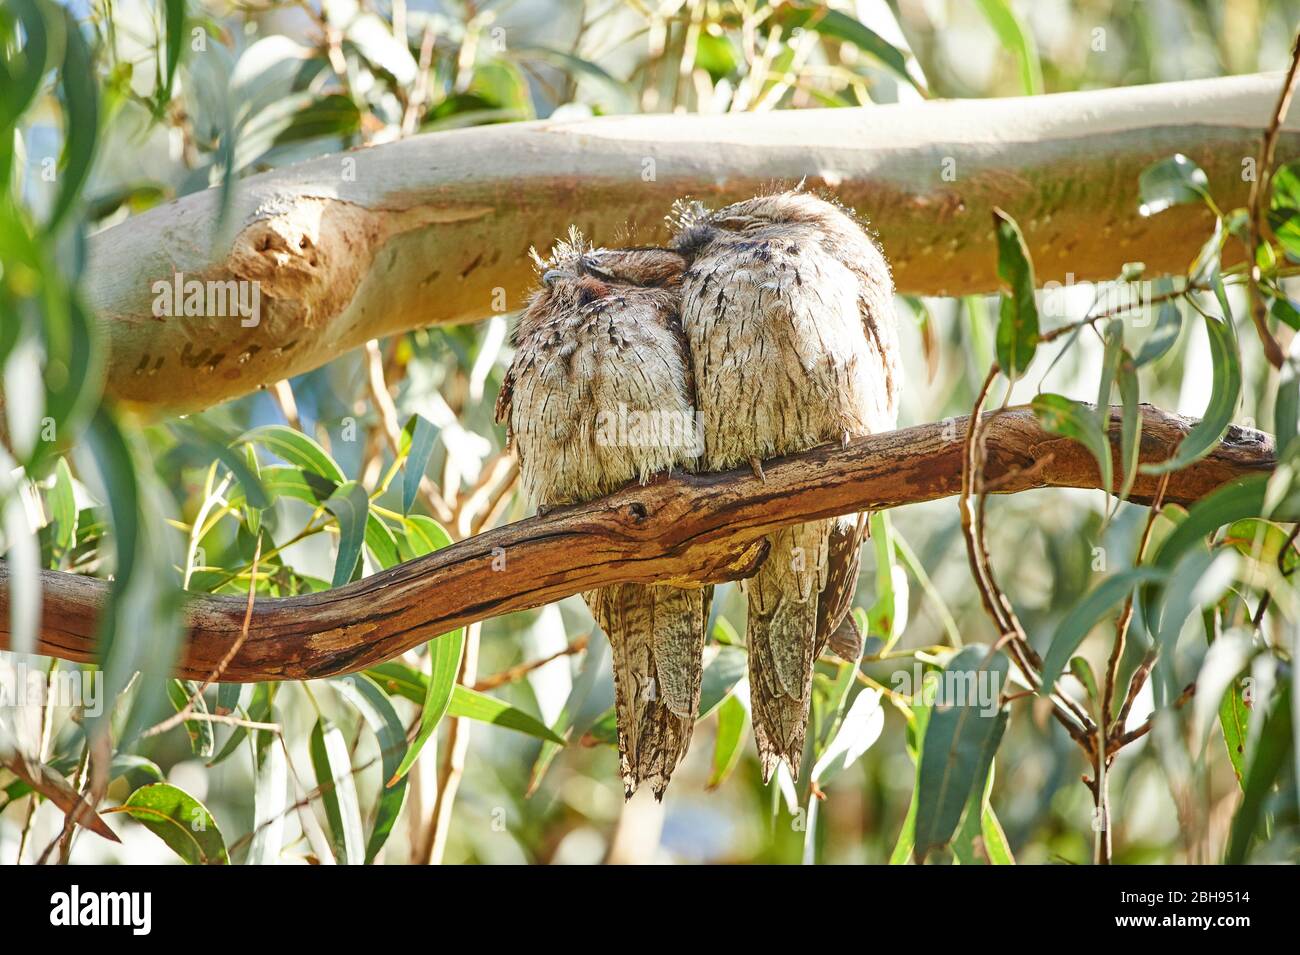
(107, 109)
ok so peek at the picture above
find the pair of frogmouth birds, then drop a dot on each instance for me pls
(769, 323)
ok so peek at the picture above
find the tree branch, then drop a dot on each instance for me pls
(679, 528)
(436, 228)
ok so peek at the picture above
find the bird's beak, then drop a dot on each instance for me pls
(551, 276)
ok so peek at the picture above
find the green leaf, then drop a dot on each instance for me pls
(402, 680)
(179, 820)
(329, 758)
(1234, 719)
(574, 66)
(1286, 407)
(720, 677)
(1169, 322)
(259, 711)
(21, 551)
(1232, 502)
(23, 71)
(1073, 419)
(1081, 669)
(81, 120)
(296, 448)
(417, 442)
(916, 729)
(200, 731)
(1130, 424)
(444, 664)
(888, 615)
(370, 701)
(1285, 224)
(381, 542)
(175, 12)
(423, 536)
(1018, 40)
(1086, 614)
(350, 506)
(593, 664)
(1225, 392)
(733, 716)
(1286, 187)
(859, 730)
(212, 442)
(1017, 337)
(270, 800)
(471, 704)
(294, 118)
(961, 739)
(840, 26)
(1171, 182)
(278, 481)
(1266, 763)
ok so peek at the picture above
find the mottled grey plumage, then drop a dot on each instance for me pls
(787, 310)
(600, 345)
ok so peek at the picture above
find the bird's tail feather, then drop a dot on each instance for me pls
(782, 638)
(656, 635)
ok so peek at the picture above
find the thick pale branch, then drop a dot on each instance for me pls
(437, 228)
(681, 528)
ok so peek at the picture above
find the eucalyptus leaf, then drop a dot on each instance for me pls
(179, 820)
(1017, 335)
(961, 738)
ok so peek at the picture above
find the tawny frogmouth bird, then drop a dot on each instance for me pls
(600, 346)
(787, 310)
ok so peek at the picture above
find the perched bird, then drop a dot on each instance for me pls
(787, 310)
(599, 395)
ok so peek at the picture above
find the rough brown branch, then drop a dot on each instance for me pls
(682, 528)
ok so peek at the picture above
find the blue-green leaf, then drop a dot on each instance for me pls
(81, 119)
(444, 665)
(1017, 336)
(1225, 392)
(179, 820)
(1018, 39)
(296, 448)
(373, 705)
(1266, 763)
(350, 506)
(961, 738)
(329, 758)
(418, 438)
(1073, 419)
(1085, 615)
(1171, 182)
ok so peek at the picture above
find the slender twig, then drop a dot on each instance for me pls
(1134, 688)
(188, 711)
(1126, 616)
(1119, 742)
(434, 846)
(282, 391)
(996, 603)
(1286, 551)
(383, 400)
(1259, 188)
(521, 670)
